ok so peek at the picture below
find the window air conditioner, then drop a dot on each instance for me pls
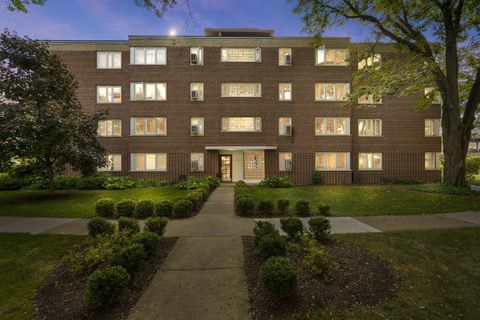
(288, 165)
(195, 165)
(287, 129)
(194, 130)
(288, 59)
(194, 95)
(193, 58)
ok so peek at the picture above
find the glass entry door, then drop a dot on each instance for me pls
(226, 167)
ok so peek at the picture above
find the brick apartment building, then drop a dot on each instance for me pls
(242, 104)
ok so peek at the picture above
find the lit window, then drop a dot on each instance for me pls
(284, 91)
(368, 99)
(241, 55)
(331, 161)
(370, 161)
(114, 163)
(196, 161)
(433, 127)
(196, 56)
(285, 57)
(375, 58)
(332, 126)
(148, 126)
(331, 91)
(433, 94)
(242, 124)
(196, 91)
(370, 127)
(285, 126)
(241, 89)
(148, 56)
(337, 57)
(149, 161)
(196, 127)
(109, 60)
(432, 160)
(110, 128)
(109, 94)
(285, 161)
(148, 91)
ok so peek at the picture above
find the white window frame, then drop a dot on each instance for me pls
(436, 125)
(321, 56)
(375, 124)
(370, 159)
(281, 158)
(257, 124)
(201, 126)
(368, 99)
(436, 157)
(111, 163)
(201, 160)
(144, 86)
(369, 61)
(109, 122)
(133, 131)
(335, 119)
(282, 91)
(437, 98)
(199, 90)
(257, 89)
(109, 93)
(281, 126)
(282, 52)
(145, 154)
(134, 51)
(111, 57)
(324, 153)
(346, 87)
(199, 52)
(257, 54)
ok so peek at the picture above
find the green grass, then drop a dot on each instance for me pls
(439, 270)
(24, 262)
(74, 203)
(438, 188)
(372, 200)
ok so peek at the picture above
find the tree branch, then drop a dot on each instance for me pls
(472, 103)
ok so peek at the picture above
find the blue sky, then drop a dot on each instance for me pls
(116, 19)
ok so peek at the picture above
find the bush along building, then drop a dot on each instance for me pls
(242, 104)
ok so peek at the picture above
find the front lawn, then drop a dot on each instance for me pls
(24, 262)
(371, 200)
(75, 203)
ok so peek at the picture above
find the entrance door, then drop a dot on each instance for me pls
(226, 167)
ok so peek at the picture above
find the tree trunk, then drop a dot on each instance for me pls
(50, 175)
(455, 147)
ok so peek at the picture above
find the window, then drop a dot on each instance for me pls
(369, 61)
(285, 126)
(337, 57)
(196, 56)
(243, 124)
(196, 91)
(109, 60)
(196, 127)
(241, 89)
(110, 128)
(285, 57)
(432, 160)
(109, 94)
(331, 91)
(432, 127)
(370, 161)
(148, 91)
(149, 161)
(285, 161)
(148, 126)
(433, 94)
(370, 127)
(114, 163)
(368, 99)
(241, 55)
(331, 161)
(284, 91)
(196, 161)
(148, 56)
(332, 126)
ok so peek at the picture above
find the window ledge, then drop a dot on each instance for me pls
(148, 171)
(109, 102)
(333, 135)
(146, 100)
(331, 65)
(333, 170)
(110, 136)
(370, 170)
(370, 136)
(148, 135)
(145, 64)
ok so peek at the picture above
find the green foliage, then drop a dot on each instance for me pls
(279, 276)
(399, 181)
(128, 226)
(119, 183)
(318, 261)
(156, 225)
(105, 207)
(272, 245)
(282, 205)
(164, 208)
(275, 182)
(149, 241)
(195, 183)
(144, 208)
(302, 207)
(317, 178)
(265, 206)
(472, 167)
(7, 182)
(437, 188)
(292, 226)
(324, 209)
(320, 228)
(100, 226)
(263, 228)
(131, 257)
(93, 182)
(183, 209)
(245, 206)
(67, 182)
(125, 208)
(195, 198)
(106, 286)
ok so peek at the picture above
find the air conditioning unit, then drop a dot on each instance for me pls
(287, 129)
(288, 59)
(194, 95)
(195, 165)
(193, 58)
(288, 165)
(194, 130)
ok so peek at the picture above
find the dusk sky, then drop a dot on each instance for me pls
(116, 19)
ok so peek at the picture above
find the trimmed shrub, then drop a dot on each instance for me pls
(130, 257)
(100, 226)
(128, 225)
(183, 209)
(125, 208)
(149, 240)
(302, 207)
(195, 198)
(106, 286)
(119, 183)
(275, 182)
(144, 208)
(272, 245)
(156, 225)
(318, 262)
(93, 182)
(240, 183)
(319, 227)
(292, 226)
(282, 205)
(279, 276)
(164, 208)
(105, 207)
(261, 229)
(265, 206)
(324, 209)
(245, 206)
(204, 191)
(7, 182)
(317, 178)
(67, 182)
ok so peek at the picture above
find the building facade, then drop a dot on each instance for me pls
(242, 104)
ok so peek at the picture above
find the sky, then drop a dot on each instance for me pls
(116, 19)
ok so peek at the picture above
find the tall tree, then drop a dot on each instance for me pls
(41, 117)
(439, 41)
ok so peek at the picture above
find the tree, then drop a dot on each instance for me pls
(41, 117)
(439, 41)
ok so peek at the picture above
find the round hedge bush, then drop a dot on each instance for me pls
(100, 226)
(265, 206)
(272, 245)
(302, 207)
(128, 225)
(125, 208)
(320, 228)
(106, 286)
(183, 208)
(156, 225)
(324, 209)
(261, 229)
(144, 208)
(279, 276)
(292, 226)
(282, 205)
(164, 208)
(194, 197)
(105, 207)
(149, 241)
(130, 257)
(245, 206)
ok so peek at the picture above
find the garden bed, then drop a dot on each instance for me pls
(62, 295)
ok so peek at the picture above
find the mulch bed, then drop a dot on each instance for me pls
(62, 295)
(361, 279)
